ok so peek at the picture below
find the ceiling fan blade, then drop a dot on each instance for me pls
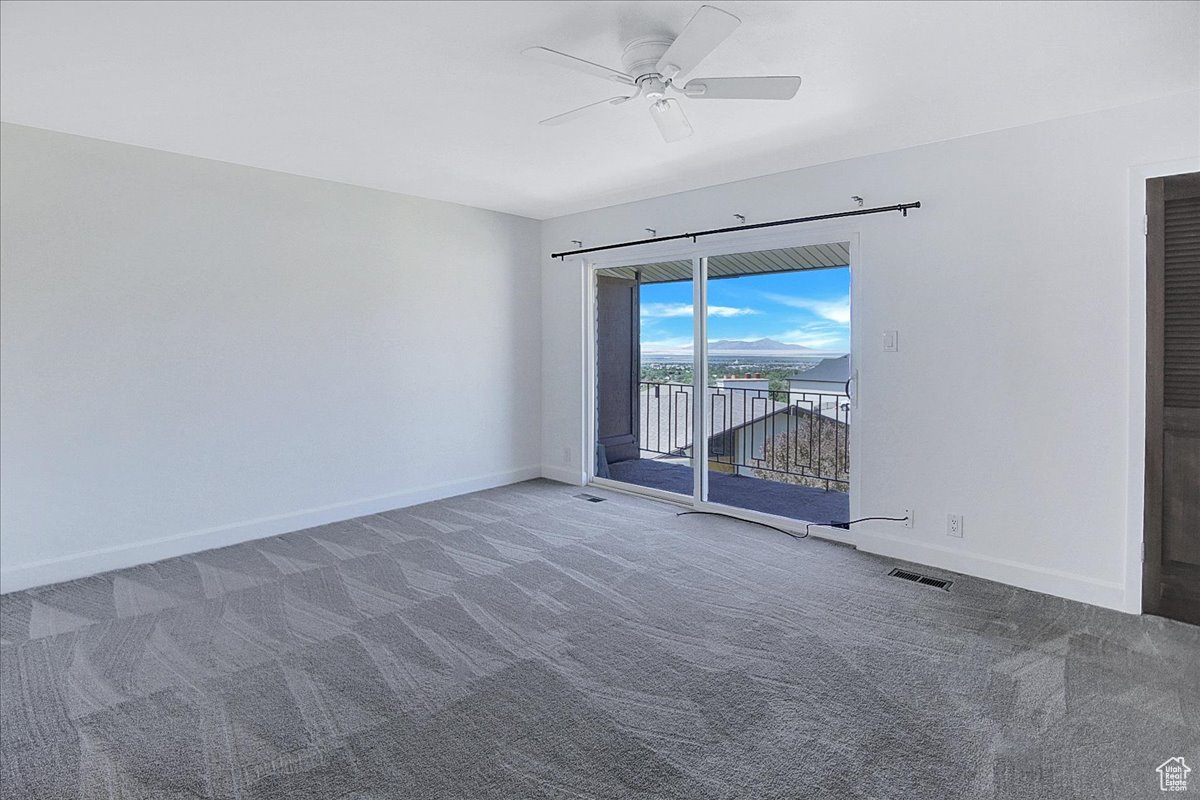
(671, 121)
(567, 116)
(774, 87)
(707, 28)
(577, 64)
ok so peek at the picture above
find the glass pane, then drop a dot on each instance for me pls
(777, 403)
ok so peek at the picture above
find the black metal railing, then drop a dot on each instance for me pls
(790, 436)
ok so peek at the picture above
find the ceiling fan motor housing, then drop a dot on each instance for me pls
(642, 55)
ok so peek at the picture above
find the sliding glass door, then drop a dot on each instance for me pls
(758, 419)
(778, 402)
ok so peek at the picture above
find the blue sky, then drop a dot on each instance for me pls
(809, 308)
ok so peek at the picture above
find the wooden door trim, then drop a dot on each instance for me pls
(1153, 507)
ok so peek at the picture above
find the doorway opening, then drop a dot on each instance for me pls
(758, 416)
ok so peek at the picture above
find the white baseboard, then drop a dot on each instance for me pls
(1026, 576)
(79, 565)
(564, 475)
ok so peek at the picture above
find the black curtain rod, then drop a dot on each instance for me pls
(902, 208)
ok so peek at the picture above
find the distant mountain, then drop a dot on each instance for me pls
(757, 344)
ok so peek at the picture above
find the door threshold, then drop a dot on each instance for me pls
(642, 491)
(814, 529)
(818, 530)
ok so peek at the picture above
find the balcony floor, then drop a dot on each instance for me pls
(741, 491)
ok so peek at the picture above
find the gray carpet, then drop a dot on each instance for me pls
(521, 643)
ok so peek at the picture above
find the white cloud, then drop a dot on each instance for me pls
(661, 310)
(819, 335)
(666, 309)
(674, 345)
(727, 311)
(814, 341)
(836, 310)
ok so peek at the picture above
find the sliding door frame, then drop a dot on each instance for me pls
(699, 253)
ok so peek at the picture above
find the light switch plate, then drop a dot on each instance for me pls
(891, 341)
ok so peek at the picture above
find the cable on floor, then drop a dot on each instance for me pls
(808, 527)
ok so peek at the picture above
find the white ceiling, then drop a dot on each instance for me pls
(434, 99)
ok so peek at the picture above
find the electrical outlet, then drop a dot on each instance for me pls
(954, 525)
(908, 512)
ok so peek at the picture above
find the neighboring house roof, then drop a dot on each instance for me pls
(832, 370)
(667, 408)
(737, 409)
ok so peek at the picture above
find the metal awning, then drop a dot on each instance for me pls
(788, 259)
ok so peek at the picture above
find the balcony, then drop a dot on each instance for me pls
(775, 451)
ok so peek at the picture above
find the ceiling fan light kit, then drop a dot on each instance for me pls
(669, 117)
(652, 65)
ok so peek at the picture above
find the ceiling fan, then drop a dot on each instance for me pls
(654, 64)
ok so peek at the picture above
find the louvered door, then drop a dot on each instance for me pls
(1171, 579)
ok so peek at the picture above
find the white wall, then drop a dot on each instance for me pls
(196, 353)
(1011, 285)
